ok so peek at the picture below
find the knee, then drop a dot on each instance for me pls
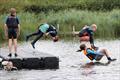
(103, 50)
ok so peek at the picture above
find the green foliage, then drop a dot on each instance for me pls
(66, 13)
(107, 22)
(45, 6)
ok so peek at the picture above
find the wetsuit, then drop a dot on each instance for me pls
(12, 24)
(43, 28)
(92, 54)
(87, 32)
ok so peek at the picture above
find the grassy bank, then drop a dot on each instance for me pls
(66, 14)
(108, 22)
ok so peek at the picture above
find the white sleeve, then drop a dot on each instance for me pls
(85, 27)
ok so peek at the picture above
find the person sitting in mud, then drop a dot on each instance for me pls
(6, 64)
(95, 54)
(86, 34)
(43, 29)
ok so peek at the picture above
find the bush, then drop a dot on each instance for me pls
(45, 6)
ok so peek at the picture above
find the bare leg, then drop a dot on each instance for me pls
(10, 45)
(15, 45)
(107, 54)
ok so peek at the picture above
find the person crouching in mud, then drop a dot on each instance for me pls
(43, 29)
(6, 64)
(96, 55)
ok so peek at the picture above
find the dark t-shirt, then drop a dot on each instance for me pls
(52, 30)
(87, 32)
(12, 22)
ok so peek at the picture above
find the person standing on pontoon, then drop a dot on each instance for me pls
(12, 31)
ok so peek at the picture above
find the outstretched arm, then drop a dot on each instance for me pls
(46, 33)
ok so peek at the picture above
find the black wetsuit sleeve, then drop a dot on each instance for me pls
(90, 32)
(50, 29)
(91, 40)
(82, 32)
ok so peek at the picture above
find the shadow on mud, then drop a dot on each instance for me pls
(92, 64)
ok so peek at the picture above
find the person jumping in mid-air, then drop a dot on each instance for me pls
(86, 35)
(43, 29)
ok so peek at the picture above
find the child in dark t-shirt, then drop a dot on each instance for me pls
(12, 30)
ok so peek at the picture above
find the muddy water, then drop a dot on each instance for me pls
(72, 64)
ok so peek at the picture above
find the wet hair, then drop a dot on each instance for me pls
(52, 30)
(53, 33)
(82, 47)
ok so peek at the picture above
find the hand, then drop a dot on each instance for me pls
(46, 34)
(18, 33)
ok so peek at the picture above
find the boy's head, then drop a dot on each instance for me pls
(94, 27)
(82, 47)
(54, 36)
(13, 12)
(8, 65)
(53, 33)
(55, 39)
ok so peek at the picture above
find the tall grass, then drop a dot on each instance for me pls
(107, 22)
(28, 22)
